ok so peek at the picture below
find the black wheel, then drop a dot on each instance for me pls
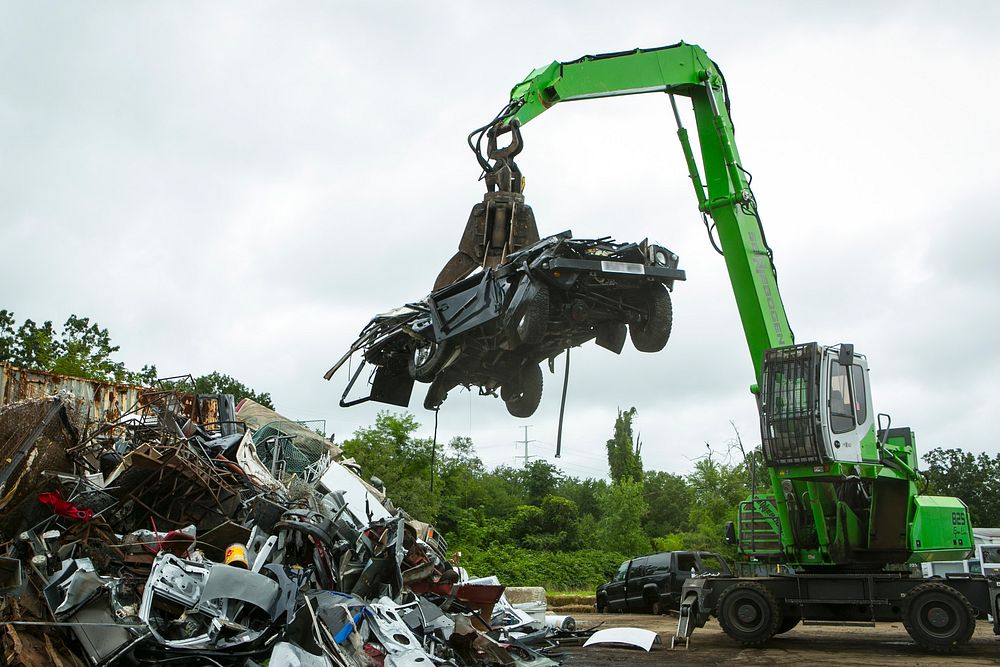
(601, 606)
(523, 393)
(532, 325)
(938, 617)
(749, 613)
(427, 359)
(651, 334)
(611, 336)
(655, 608)
(787, 623)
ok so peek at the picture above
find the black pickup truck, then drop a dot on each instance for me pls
(653, 583)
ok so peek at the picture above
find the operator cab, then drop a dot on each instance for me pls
(815, 406)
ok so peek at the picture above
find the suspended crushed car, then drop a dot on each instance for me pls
(492, 330)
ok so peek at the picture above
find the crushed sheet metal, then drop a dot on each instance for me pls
(637, 637)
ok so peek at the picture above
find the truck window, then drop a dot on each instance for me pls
(841, 409)
(991, 554)
(713, 565)
(685, 562)
(639, 568)
(622, 570)
(658, 563)
(860, 397)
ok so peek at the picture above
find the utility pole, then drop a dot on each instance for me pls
(525, 442)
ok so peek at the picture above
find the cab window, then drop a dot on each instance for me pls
(686, 563)
(622, 570)
(658, 563)
(860, 396)
(711, 564)
(841, 408)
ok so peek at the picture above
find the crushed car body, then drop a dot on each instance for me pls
(493, 329)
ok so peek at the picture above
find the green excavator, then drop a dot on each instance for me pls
(840, 508)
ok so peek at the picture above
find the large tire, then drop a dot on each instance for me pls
(535, 320)
(652, 333)
(425, 361)
(523, 394)
(938, 618)
(749, 613)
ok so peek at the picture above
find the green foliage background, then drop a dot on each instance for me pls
(535, 526)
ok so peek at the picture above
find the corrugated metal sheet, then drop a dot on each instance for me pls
(104, 400)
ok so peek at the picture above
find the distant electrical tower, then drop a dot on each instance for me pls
(526, 456)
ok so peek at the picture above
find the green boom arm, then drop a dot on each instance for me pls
(684, 69)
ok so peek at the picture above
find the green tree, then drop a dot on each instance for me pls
(388, 450)
(973, 478)
(623, 454)
(539, 479)
(81, 349)
(552, 527)
(8, 338)
(35, 346)
(623, 509)
(717, 488)
(84, 350)
(670, 499)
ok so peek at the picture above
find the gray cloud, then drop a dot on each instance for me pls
(241, 186)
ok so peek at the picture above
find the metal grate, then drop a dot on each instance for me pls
(757, 535)
(789, 406)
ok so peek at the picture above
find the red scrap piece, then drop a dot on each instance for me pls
(64, 508)
(377, 656)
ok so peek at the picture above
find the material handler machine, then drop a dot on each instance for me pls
(843, 510)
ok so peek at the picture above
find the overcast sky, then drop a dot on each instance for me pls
(241, 186)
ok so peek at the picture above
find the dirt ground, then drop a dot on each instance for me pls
(886, 644)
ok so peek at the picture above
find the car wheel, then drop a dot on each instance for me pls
(655, 608)
(532, 325)
(749, 613)
(427, 359)
(524, 394)
(938, 617)
(652, 333)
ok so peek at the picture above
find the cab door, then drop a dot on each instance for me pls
(615, 589)
(634, 584)
(846, 413)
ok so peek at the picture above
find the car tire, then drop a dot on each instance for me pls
(938, 618)
(426, 361)
(749, 613)
(524, 393)
(652, 333)
(533, 324)
(655, 608)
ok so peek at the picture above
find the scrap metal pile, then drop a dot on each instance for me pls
(176, 534)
